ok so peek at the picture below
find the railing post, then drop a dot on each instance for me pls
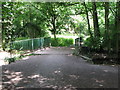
(32, 45)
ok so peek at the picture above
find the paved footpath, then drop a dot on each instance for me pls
(57, 68)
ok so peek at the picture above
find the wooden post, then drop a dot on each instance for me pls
(32, 45)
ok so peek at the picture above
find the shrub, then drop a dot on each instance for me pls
(10, 60)
(88, 42)
(61, 42)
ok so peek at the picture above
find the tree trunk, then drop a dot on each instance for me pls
(87, 16)
(95, 21)
(54, 26)
(118, 27)
(0, 27)
(107, 32)
(0, 35)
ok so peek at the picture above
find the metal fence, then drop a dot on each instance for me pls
(31, 44)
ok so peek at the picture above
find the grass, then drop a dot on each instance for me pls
(62, 42)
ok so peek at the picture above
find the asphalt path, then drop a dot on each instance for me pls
(57, 68)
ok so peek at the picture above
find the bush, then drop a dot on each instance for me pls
(96, 44)
(10, 60)
(88, 42)
(61, 42)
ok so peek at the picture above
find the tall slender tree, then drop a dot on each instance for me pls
(95, 21)
(107, 31)
(118, 27)
(0, 25)
(88, 21)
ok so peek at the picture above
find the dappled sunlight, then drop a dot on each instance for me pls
(34, 76)
(25, 58)
(11, 79)
(103, 55)
(101, 85)
(18, 80)
(92, 73)
(105, 70)
(70, 87)
(12, 73)
(38, 78)
(99, 81)
(52, 86)
(3, 55)
(72, 48)
(74, 76)
(19, 88)
(41, 51)
(37, 51)
(70, 55)
(66, 87)
(41, 81)
(113, 65)
(57, 71)
(47, 48)
(15, 82)
(2, 62)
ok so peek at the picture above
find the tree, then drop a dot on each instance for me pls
(7, 21)
(37, 19)
(95, 21)
(118, 27)
(87, 16)
(107, 31)
(0, 26)
(0, 36)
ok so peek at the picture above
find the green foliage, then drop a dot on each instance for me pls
(45, 33)
(88, 42)
(10, 60)
(96, 43)
(61, 41)
(34, 20)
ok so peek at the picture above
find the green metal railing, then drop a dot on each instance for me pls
(31, 44)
